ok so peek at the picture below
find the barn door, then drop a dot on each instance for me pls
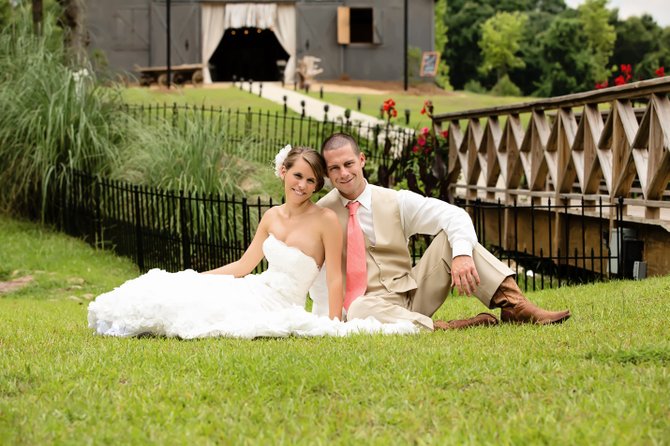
(317, 36)
(184, 30)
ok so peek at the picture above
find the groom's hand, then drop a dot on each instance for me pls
(464, 274)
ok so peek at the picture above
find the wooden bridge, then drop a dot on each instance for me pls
(605, 146)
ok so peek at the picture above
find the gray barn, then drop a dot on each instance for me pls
(358, 39)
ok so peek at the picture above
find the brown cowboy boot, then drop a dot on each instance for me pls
(516, 308)
(481, 319)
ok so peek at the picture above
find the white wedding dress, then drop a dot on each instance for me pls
(192, 305)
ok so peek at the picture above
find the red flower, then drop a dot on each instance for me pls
(389, 108)
(619, 80)
(427, 150)
(427, 105)
(421, 141)
(603, 84)
(425, 131)
(627, 71)
(660, 72)
(415, 149)
(445, 134)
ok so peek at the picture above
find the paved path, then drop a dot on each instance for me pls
(314, 108)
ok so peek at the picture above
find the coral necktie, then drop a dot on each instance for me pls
(357, 276)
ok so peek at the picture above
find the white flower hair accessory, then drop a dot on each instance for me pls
(280, 158)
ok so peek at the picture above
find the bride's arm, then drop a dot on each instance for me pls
(251, 257)
(332, 243)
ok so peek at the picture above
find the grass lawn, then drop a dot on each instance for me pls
(603, 377)
(443, 103)
(234, 98)
(226, 97)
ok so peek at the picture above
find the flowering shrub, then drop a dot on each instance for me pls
(625, 76)
(422, 162)
(392, 142)
(426, 169)
(389, 109)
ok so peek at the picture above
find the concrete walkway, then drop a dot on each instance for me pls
(314, 108)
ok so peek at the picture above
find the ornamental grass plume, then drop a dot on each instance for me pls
(55, 116)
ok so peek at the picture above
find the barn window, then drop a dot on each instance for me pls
(356, 25)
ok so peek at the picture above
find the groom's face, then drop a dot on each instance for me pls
(345, 170)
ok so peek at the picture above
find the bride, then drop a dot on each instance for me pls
(296, 238)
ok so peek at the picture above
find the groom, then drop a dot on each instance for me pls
(380, 279)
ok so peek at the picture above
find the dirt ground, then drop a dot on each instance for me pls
(11, 285)
(379, 87)
(353, 87)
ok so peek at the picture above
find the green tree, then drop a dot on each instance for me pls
(594, 18)
(441, 40)
(567, 59)
(640, 42)
(531, 51)
(500, 43)
(464, 19)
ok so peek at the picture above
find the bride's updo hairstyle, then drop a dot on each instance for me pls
(313, 158)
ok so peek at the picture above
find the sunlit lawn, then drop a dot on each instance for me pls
(227, 96)
(224, 96)
(444, 103)
(601, 378)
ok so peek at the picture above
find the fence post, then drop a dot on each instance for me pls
(97, 219)
(175, 111)
(245, 223)
(138, 228)
(185, 240)
(619, 222)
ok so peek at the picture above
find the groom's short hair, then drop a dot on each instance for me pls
(337, 140)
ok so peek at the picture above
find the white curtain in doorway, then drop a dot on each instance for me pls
(212, 32)
(280, 19)
(250, 15)
(285, 30)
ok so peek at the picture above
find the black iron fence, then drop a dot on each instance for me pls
(176, 230)
(263, 133)
(554, 244)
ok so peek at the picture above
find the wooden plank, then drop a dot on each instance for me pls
(343, 30)
(628, 91)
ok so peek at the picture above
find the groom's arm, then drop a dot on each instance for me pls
(425, 215)
(422, 215)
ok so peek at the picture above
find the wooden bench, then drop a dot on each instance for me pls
(180, 74)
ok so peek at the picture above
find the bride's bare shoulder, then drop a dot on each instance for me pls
(327, 216)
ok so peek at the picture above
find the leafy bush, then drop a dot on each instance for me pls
(474, 86)
(505, 87)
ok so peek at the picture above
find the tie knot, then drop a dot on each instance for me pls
(353, 207)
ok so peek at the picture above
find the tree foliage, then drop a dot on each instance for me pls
(599, 34)
(441, 40)
(560, 50)
(500, 42)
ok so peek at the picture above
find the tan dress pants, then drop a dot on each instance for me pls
(433, 276)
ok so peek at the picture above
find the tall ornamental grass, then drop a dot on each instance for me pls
(57, 116)
(54, 116)
(192, 155)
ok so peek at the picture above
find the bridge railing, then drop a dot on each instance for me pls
(599, 145)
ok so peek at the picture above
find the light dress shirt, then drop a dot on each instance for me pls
(422, 215)
(418, 215)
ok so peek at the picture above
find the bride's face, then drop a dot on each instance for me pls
(299, 181)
